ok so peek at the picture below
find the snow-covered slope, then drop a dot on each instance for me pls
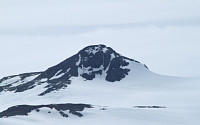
(114, 89)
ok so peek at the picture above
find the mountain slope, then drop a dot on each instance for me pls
(88, 63)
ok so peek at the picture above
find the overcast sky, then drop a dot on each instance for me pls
(37, 34)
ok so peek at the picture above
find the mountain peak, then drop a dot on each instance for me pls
(96, 56)
(95, 48)
(100, 59)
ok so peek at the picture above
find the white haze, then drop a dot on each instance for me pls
(164, 35)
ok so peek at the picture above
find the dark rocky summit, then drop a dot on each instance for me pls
(89, 63)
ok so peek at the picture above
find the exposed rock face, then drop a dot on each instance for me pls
(89, 63)
(11, 83)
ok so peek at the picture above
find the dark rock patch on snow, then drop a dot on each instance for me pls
(24, 110)
(150, 107)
